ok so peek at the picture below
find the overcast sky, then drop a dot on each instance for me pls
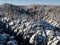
(28, 2)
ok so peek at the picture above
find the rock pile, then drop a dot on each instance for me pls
(29, 25)
(18, 32)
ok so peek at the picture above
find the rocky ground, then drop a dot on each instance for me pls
(29, 25)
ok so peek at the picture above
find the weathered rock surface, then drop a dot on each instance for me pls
(29, 25)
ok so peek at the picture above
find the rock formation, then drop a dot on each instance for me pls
(29, 25)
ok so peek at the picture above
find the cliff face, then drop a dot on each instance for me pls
(31, 24)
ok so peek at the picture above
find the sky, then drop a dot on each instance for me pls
(29, 2)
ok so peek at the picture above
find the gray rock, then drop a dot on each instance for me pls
(3, 38)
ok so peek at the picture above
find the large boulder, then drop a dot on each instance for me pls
(3, 38)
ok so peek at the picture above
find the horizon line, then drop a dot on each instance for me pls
(28, 4)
